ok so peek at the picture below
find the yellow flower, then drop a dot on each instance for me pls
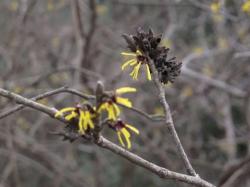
(110, 105)
(85, 121)
(64, 110)
(246, 7)
(84, 116)
(122, 131)
(112, 109)
(215, 7)
(137, 60)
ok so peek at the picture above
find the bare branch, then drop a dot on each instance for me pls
(44, 95)
(102, 142)
(213, 82)
(144, 114)
(160, 171)
(32, 104)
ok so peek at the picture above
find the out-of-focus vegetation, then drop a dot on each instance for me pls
(42, 48)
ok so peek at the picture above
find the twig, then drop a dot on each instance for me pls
(102, 142)
(78, 18)
(213, 82)
(86, 61)
(44, 95)
(160, 171)
(169, 121)
(144, 114)
(28, 102)
(84, 71)
(79, 94)
(84, 38)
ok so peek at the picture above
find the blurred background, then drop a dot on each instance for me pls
(48, 44)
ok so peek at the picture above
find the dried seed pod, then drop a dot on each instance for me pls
(149, 44)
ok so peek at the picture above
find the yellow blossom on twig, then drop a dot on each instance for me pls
(138, 59)
(123, 132)
(110, 105)
(84, 117)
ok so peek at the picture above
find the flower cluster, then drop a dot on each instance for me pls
(122, 130)
(137, 60)
(144, 49)
(110, 101)
(110, 104)
(145, 46)
(86, 115)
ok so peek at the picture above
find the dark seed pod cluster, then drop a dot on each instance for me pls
(148, 43)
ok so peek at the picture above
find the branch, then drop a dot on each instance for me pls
(169, 121)
(160, 171)
(144, 114)
(84, 71)
(78, 18)
(65, 89)
(102, 142)
(213, 82)
(44, 95)
(30, 103)
(84, 38)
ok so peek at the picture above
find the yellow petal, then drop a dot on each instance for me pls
(126, 134)
(124, 101)
(70, 116)
(123, 90)
(132, 128)
(133, 63)
(85, 121)
(137, 68)
(129, 62)
(134, 73)
(111, 112)
(89, 120)
(91, 124)
(128, 54)
(138, 52)
(120, 138)
(101, 107)
(148, 73)
(80, 123)
(67, 109)
(117, 110)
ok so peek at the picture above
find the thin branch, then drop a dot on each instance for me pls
(89, 35)
(84, 71)
(186, 71)
(144, 114)
(30, 103)
(45, 95)
(102, 142)
(78, 18)
(81, 95)
(160, 171)
(213, 82)
(84, 38)
(169, 121)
